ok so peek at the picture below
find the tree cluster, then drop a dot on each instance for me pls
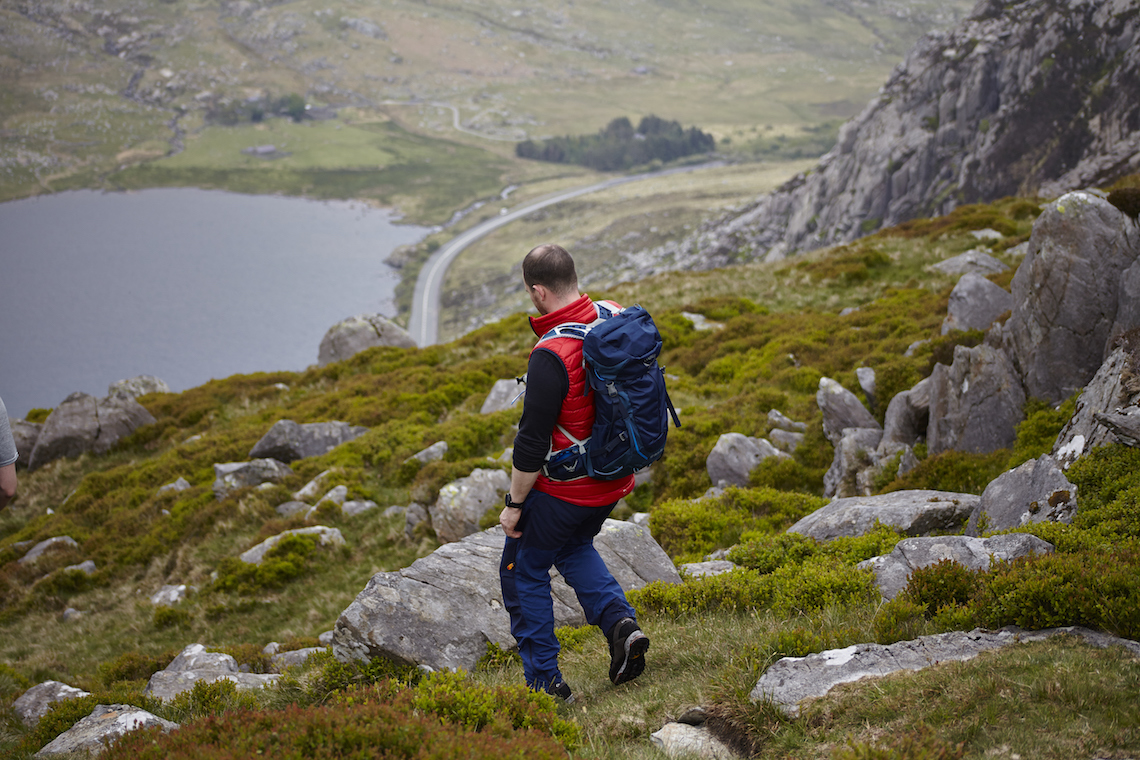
(620, 146)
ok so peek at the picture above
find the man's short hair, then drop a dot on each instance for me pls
(552, 267)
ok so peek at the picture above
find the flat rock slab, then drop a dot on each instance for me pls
(443, 609)
(106, 723)
(892, 570)
(915, 513)
(791, 680)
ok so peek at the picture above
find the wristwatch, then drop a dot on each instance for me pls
(510, 503)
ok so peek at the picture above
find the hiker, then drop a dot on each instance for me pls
(551, 522)
(8, 457)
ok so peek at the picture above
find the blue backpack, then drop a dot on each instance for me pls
(631, 405)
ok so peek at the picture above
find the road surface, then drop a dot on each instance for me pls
(423, 324)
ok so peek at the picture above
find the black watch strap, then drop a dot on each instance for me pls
(511, 504)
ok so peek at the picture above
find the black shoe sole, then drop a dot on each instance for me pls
(633, 661)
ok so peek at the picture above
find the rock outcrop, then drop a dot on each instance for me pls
(1034, 492)
(231, 476)
(915, 513)
(502, 395)
(1024, 98)
(841, 409)
(34, 703)
(892, 570)
(195, 664)
(443, 609)
(1067, 294)
(325, 537)
(735, 455)
(975, 303)
(288, 441)
(106, 723)
(355, 334)
(791, 680)
(976, 403)
(82, 423)
(462, 503)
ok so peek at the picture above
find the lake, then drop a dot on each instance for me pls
(180, 283)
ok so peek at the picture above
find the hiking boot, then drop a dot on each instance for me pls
(627, 651)
(562, 691)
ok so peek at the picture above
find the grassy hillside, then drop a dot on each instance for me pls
(87, 91)
(781, 332)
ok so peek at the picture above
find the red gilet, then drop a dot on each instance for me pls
(577, 414)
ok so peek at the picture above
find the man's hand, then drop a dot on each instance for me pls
(509, 518)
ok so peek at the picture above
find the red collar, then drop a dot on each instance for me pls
(581, 310)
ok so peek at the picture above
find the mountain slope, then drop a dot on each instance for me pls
(1029, 98)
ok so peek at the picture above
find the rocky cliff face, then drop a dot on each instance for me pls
(1023, 98)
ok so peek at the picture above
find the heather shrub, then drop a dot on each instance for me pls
(946, 583)
(956, 471)
(1098, 590)
(289, 559)
(456, 699)
(820, 583)
(496, 658)
(737, 591)
(766, 554)
(690, 529)
(169, 617)
(133, 666)
(900, 619)
(1108, 487)
(368, 727)
(205, 699)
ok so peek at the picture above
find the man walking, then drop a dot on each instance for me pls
(553, 523)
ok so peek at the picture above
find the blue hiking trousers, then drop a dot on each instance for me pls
(559, 534)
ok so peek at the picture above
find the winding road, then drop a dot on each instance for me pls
(423, 324)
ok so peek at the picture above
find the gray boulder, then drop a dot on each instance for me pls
(290, 508)
(355, 334)
(139, 385)
(1127, 301)
(708, 568)
(195, 664)
(915, 513)
(34, 703)
(975, 303)
(786, 440)
(170, 595)
(414, 515)
(778, 419)
(866, 378)
(503, 395)
(86, 567)
(791, 680)
(976, 403)
(106, 723)
(443, 609)
(462, 503)
(231, 476)
(181, 484)
(681, 740)
(906, 420)
(1035, 492)
(853, 464)
(1066, 293)
(336, 495)
(976, 261)
(288, 441)
(315, 486)
(892, 570)
(357, 507)
(735, 455)
(118, 415)
(1124, 424)
(48, 544)
(282, 661)
(432, 453)
(325, 537)
(25, 435)
(1105, 393)
(841, 409)
(82, 423)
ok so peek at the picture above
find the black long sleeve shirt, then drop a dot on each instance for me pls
(546, 387)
